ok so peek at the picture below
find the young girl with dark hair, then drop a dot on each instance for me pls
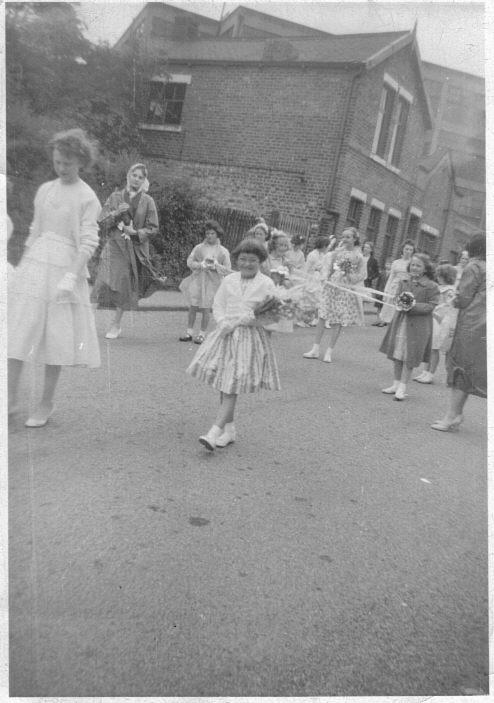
(408, 339)
(209, 263)
(237, 357)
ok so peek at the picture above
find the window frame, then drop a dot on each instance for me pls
(390, 234)
(372, 230)
(359, 208)
(171, 80)
(390, 154)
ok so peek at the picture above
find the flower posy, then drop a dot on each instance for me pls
(405, 301)
(344, 263)
(273, 309)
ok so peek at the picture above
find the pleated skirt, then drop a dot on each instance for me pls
(241, 362)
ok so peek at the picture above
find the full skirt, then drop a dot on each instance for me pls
(341, 307)
(240, 362)
(41, 327)
(200, 288)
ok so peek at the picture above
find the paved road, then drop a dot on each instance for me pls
(338, 548)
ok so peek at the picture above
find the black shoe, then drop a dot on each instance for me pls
(185, 338)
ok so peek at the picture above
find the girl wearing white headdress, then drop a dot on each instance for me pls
(125, 273)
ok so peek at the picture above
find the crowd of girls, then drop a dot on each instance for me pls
(51, 319)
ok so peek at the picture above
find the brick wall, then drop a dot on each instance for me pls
(257, 135)
(358, 170)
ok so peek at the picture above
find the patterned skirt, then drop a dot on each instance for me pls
(340, 307)
(241, 362)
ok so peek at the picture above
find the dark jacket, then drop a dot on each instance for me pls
(418, 322)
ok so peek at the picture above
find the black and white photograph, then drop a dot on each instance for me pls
(243, 311)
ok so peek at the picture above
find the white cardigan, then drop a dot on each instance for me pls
(85, 211)
(231, 303)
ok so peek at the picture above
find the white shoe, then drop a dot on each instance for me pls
(400, 392)
(209, 440)
(327, 356)
(312, 354)
(426, 377)
(228, 436)
(40, 417)
(113, 333)
(419, 377)
(391, 390)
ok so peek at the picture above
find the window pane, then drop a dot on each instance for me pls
(404, 109)
(386, 121)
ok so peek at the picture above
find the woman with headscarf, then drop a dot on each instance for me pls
(125, 273)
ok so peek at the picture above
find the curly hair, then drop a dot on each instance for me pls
(428, 265)
(447, 272)
(212, 224)
(250, 246)
(355, 235)
(276, 234)
(408, 243)
(74, 142)
(321, 243)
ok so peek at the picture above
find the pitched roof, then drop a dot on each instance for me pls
(244, 10)
(343, 48)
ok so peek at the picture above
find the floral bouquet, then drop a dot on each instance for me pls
(344, 263)
(273, 309)
(280, 275)
(405, 301)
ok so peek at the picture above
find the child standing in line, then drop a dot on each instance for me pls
(209, 262)
(237, 357)
(443, 321)
(408, 339)
(296, 256)
(312, 287)
(50, 318)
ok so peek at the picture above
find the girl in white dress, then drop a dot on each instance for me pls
(237, 357)
(398, 273)
(50, 319)
(209, 263)
(312, 287)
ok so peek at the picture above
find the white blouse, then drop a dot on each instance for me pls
(237, 297)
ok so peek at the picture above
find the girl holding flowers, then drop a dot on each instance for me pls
(340, 306)
(408, 339)
(237, 357)
(209, 262)
(398, 273)
(311, 291)
(50, 318)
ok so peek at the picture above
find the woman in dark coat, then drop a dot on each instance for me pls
(372, 265)
(408, 339)
(466, 361)
(125, 273)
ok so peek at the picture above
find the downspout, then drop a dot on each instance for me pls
(448, 213)
(334, 176)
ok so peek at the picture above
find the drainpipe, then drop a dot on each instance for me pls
(447, 214)
(334, 176)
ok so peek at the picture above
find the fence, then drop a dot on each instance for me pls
(236, 223)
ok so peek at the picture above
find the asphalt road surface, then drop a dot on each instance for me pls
(338, 548)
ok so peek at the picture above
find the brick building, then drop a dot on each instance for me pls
(302, 128)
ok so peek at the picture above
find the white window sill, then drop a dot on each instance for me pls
(161, 127)
(381, 161)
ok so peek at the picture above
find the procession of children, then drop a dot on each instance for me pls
(264, 285)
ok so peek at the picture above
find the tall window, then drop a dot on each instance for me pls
(354, 214)
(165, 103)
(389, 237)
(428, 243)
(413, 227)
(401, 125)
(384, 119)
(373, 225)
(391, 126)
